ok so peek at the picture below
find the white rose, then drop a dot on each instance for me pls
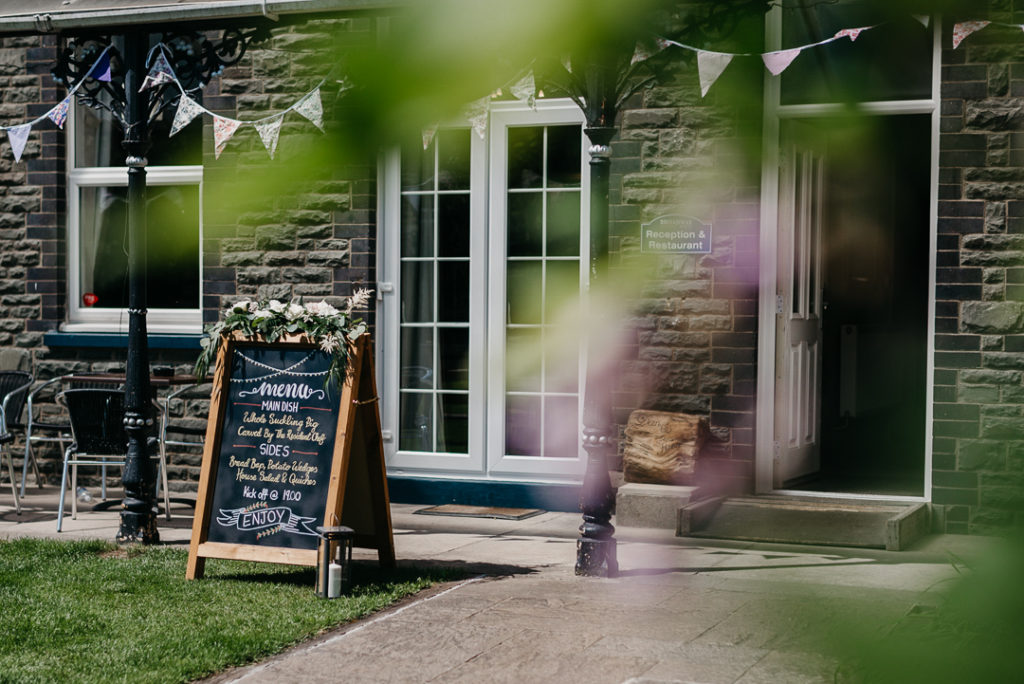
(275, 306)
(243, 306)
(295, 310)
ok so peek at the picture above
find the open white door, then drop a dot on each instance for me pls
(798, 316)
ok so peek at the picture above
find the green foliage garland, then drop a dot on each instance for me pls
(271, 319)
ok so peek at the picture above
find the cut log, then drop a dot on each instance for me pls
(662, 447)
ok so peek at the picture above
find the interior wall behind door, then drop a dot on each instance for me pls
(874, 323)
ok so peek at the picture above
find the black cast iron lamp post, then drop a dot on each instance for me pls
(195, 58)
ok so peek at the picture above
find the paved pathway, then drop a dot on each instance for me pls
(681, 610)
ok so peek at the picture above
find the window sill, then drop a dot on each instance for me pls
(57, 338)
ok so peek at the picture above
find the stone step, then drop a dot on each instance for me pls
(832, 522)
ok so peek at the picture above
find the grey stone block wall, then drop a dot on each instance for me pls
(691, 341)
(978, 428)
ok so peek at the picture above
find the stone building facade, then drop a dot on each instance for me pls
(694, 340)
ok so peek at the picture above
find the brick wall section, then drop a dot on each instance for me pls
(978, 455)
(693, 339)
(31, 196)
(302, 225)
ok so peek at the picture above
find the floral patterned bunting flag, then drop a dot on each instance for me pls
(476, 114)
(223, 129)
(710, 66)
(188, 109)
(966, 28)
(312, 108)
(270, 131)
(59, 114)
(851, 33)
(428, 135)
(525, 90)
(160, 72)
(18, 137)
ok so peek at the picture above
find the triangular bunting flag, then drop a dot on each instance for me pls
(662, 43)
(311, 108)
(18, 137)
(59, 113)
(923, 18)
(710, 66)
(525, 90)
(852, 34)
(269, 132)
(966, 28)
(428, 135)
(476, 114)
(188, 109)
(778, 61)
(101, 69)
(640, 54)
(160, 72)
(223, 129)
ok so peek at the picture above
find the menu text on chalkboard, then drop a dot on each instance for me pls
(277, 447)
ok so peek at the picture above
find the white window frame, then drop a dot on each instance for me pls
(86, 319)
(774, 114)
(486, 458)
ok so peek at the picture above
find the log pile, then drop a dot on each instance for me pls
(662, 447)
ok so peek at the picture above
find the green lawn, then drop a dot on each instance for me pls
(85, 611)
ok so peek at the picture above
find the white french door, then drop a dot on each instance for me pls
(537, 205)
(482, 258)
(798, 314)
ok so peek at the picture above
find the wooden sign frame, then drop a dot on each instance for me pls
(357, 494)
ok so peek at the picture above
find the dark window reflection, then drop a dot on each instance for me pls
(453, 225)
(453, 355)
(563, 156)
(525, 223)
(418, 226)
(453, 159)
(172, 235)
(453, 291)
(525, 157)
(453, 423)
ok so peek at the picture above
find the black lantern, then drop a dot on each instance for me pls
(334, 569)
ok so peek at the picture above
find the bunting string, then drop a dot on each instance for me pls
(710, 66)
(161, 72)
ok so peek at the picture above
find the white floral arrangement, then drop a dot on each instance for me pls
(271, 319)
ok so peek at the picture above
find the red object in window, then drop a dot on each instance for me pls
(89, 299)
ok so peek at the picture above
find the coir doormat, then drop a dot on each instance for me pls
(464, 511)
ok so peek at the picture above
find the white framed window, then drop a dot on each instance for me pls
(483, 247)
(97, 225)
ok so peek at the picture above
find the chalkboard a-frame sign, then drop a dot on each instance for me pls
(286, 452)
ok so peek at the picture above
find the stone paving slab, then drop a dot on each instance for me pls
(682, 610)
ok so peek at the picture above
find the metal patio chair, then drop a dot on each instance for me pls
(98, 439)
(39, 429)
(5, 442)
(14, 387)
(177, 434)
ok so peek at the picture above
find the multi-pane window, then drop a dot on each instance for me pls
(98, 224)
